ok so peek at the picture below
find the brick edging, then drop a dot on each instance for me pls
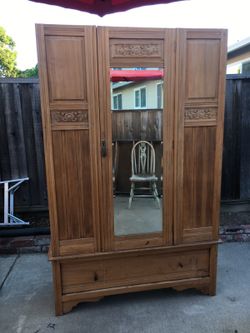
(239, 233)
(24, 244)
(40, 243)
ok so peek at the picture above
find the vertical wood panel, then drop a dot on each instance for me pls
(198, 177)
(188, 178)
(68, 76)
(201, 59)
(73, 184)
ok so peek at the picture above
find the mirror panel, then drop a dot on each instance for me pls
(137, 146)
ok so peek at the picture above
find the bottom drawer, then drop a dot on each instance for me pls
(85, 274)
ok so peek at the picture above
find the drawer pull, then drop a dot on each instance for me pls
(95, 277)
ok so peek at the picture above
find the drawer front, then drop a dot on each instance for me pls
(83, 275)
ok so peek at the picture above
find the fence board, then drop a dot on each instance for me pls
(134, 125)
(21, 145)
(21, 142)
(236, 152)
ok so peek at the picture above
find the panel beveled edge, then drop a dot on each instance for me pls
(47, 138)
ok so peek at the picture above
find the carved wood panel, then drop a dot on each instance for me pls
(136, 52)
(200, 108)
(68, 76)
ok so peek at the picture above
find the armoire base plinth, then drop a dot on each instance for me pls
(90, 278)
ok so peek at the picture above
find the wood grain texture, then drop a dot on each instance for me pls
(77, 276)
(107, 216)
(118, 50)
(89, 262)
(90, 278)
(57, 281)
(202, 72)
(47, 135)
(135, 125)
(219, 133)
(198, 175)
(68, 71)
(73, 184)
(61, 50)
(199, 126)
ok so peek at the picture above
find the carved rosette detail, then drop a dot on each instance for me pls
(200, 114)
(69, 116)
(137, 50)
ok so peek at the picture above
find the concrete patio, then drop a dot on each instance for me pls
(26, 302)
(143, 217)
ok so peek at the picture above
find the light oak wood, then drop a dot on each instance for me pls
(68, 73)
(200, 77)
(88, 260)
(151, 47)
(102, 274)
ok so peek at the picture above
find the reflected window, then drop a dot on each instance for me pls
(117, 102)
(159, 88)
(140, 98)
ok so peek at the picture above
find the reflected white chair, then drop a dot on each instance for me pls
(115, 160)
(143, 171)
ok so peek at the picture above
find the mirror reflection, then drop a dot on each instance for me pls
(137, 107)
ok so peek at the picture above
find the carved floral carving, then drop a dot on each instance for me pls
(69, 116)
(137, 50)
(193, 114)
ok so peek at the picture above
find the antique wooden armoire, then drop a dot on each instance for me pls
(99, 247)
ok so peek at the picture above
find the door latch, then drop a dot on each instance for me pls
(103, 148)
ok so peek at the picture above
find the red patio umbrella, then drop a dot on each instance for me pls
(103, 7)
(135, 75)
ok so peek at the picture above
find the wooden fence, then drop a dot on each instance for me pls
(21, 143)
(236, 152)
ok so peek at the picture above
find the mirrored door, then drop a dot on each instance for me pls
(137, 108)
(136, 125)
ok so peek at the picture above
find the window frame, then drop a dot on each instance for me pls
(140, 99)
(117, 96)
(157, 97)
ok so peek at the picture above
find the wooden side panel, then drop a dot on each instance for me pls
(200, 84)
(68, 76)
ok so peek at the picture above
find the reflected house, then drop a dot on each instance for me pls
(238, 57)
(142, 94)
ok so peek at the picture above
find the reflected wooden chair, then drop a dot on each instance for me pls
(143, 171)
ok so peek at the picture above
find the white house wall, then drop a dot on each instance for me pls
(128, 94)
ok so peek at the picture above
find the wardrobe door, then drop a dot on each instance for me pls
(69, 97)
(136, 106)
(200, 83)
